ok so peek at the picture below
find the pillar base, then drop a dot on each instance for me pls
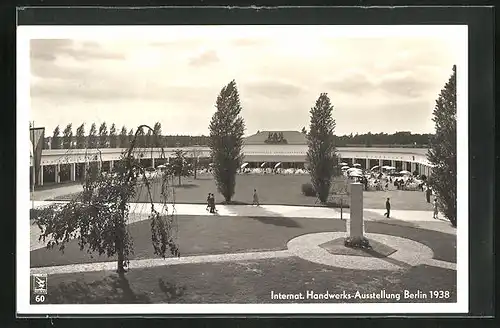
(357, 242)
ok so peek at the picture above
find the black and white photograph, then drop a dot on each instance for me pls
(242, 169)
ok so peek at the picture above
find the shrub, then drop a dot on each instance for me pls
(308, 189)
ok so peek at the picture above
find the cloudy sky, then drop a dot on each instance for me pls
(377, 84)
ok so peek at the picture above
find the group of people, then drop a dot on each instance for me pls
(211, 201)
(435, 214)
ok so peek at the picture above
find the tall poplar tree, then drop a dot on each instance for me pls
(113, 138)
(123, 139)
(103, 135)
(68, 136)
(443, 151)
(226, 139)
(81, 141)
(92, 138)
(321, 153)
(56, 139)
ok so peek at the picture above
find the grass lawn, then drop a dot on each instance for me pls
(276, 190)
(199, 235)
(242, 282)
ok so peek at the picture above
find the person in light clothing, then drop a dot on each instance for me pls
(255, 198)
(436, 212)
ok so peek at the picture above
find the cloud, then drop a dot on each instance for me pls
(204, 59)
(400, 83)
(271, 89)
(49, 49)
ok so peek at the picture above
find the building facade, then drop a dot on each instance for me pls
(271, 147)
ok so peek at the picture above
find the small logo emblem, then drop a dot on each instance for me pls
(40, 283)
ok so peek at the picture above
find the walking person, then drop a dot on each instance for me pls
(255, 198)
(212, 203)
(208, 201)
(428, 193)
(436, 212)
(388, 208)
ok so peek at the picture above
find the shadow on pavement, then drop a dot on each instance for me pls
(277, 221)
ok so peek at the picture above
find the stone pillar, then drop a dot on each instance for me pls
(153, 162)
(393, 163)
(99, 166)
(72, 174)
(356, 228)
(58, 173)
(413, 167)
(40, 176)
(85, 170)
(353, 161)
(380, 163)
(111, 165)
(367, 164)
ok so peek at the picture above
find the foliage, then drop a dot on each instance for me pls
(303, 131)
(123, 138)
(443, 151)
(92, 139)
(56, 142)
(103, 135)
(321, 155)
(158, 141)
(308, 190)
(81, 140)
(98, 216)
(363, 243)
(113, 139)
(149, 139)
(131, 136)
(226, 139)
(141, 138)
(67, 137)
(179, 165)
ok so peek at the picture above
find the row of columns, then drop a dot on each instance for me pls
(72, 171)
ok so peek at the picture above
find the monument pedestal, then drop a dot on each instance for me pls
(356, 237)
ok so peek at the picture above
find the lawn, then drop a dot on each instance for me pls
(276, 190)
(200, 235)
(242, 282)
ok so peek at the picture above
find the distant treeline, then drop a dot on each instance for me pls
(104, 138)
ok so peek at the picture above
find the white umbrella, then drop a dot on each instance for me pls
(405, 172)
(354, 169)
(345, 167)
(275, 166)
(263, 164)
(391, 168)
(343, 164)
(161, 166)
(357, 165)
(355, 174)
(375, 167)
(244, 165)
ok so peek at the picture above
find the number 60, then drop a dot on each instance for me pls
(40, 298)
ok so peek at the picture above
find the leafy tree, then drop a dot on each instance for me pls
(113, 139)
(141, 138)
(81, 142)
(56, 139)
(321, 155)
(149, 139)
(226, 139)
(443, 151)
(103, 135)
(92, 140)
(131, 136)
(303, 131)
(158, 142)
(179, 165)
(68, 136)
(98, 216)
(123, 138)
